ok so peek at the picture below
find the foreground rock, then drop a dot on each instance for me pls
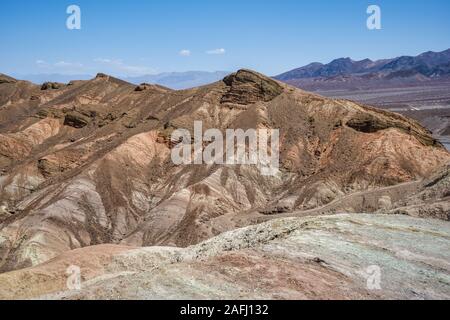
(329, 257)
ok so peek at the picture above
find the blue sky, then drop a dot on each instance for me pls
(136, 37)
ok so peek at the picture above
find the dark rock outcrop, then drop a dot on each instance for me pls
(52, 86)
(247, 87)
(76, 120)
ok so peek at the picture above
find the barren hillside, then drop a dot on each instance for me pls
(88, 163)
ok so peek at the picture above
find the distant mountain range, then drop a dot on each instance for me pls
(173, 80)
(52, 77)
(342, 73)
(180, 80)
(347, 73)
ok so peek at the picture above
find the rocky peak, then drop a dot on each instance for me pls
(247, 87)
(6, 79)
(101, 76)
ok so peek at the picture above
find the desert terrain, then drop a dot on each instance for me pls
(87, 180)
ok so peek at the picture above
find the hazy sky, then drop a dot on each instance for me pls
(135, 37)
